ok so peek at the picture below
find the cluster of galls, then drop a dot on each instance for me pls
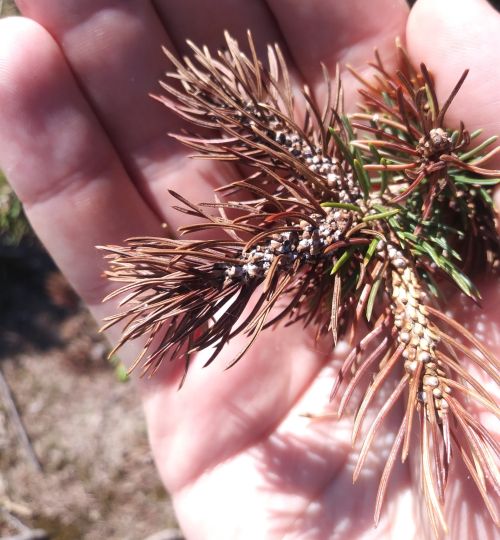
(307, 244)
(414, 332)
(329, 168)
(337, 181)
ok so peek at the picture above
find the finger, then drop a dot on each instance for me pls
(75, 190)
(334, 31)
(114, 48)
(465, 34)
(190, 19)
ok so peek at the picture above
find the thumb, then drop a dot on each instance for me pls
(450, 36)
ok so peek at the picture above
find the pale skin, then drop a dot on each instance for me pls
(87, 152)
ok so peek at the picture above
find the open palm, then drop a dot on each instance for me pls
(87, 152)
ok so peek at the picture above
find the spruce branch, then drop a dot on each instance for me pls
(344, 222)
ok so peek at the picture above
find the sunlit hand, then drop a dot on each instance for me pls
(87, 152)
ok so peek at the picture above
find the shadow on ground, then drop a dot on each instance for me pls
(29, 319)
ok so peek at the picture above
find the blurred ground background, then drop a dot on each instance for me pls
(86, 471)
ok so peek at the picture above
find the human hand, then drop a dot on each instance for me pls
(87, 153)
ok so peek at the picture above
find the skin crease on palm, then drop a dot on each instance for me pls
(87, 152)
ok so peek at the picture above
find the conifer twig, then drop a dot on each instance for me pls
(343, 222)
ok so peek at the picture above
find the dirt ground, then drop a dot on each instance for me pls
(98, 480)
